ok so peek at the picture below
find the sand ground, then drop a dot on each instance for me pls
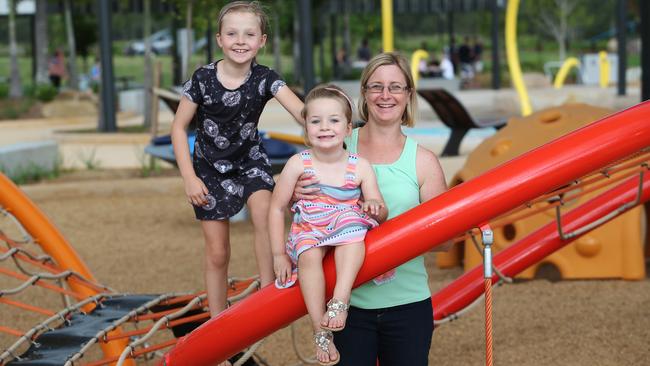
(139, 236)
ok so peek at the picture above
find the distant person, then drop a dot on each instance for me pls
(56, 68)
(346, 207)
(230, 166)
(477, 51)
(466, 60)
(363, 52)
(446, 67)
(342, 62)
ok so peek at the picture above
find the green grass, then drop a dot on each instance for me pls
(132, 67)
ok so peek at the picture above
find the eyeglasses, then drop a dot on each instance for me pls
(392, 88)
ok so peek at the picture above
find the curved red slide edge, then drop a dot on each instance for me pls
(433, 222)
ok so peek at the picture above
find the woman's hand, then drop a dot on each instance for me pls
(196, 191)
(372, 207)
(301, 192)
(282, 268)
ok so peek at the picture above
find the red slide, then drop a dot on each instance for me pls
(461, 208)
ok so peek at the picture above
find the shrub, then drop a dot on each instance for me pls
(4, 90)
(45, 92)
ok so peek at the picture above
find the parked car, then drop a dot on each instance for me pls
(161, 43)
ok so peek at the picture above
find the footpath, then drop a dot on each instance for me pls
(73, 144)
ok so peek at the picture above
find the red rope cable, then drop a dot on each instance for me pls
(106, 361)
(28, 307)
(11, 331)
(488, 322)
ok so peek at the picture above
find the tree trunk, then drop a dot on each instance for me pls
(15, 86)
(148, 65)
(73, 82)
(297, 75)
(41, 42)
(188, 41)
(277, 52)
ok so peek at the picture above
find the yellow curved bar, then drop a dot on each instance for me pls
(416, 57)
(387, 24)
(286, 137)
(603, 61)
(54, 244)
(564, 71)
(513, 56)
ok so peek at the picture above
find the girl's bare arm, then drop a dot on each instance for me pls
(291, 103)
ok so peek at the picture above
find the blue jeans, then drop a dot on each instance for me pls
(396, 336)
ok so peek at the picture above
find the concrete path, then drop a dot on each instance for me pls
(80, 148)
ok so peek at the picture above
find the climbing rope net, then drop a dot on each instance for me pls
(32, 285)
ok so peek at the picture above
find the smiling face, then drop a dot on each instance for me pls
(326, 124)
(240, 36)
(389, 105)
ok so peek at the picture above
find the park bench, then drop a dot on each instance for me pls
(454, 115)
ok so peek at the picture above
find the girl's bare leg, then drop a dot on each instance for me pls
(312, 285)
(349, 258)
(258, 206)
(217, 256)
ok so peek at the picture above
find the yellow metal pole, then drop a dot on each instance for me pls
(603, 61)
(513, 56)
(387, 24)
(564, 71)
(415, 63)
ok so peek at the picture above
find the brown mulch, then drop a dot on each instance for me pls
(139, 236)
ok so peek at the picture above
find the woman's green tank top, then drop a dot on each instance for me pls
(398, 184)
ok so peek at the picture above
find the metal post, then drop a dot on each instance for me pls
(621, 33)
(107, 115)
(644, 9)
(496, 67)
(306, 45)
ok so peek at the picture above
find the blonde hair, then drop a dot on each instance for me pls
(384, 59)
(245, 6)
(328, 91)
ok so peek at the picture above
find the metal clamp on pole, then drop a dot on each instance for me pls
(487, 236)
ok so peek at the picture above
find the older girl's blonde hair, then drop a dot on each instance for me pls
(383, 59)
(245, 6)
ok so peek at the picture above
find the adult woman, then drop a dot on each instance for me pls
(391, 321)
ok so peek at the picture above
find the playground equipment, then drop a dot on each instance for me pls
(518, 182)
(454, 115)
(463, 207)
(612, 251)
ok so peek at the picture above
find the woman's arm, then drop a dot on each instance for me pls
(279, 200)
(431, 179)
(194, 187)
(372, 198)
(291, 103)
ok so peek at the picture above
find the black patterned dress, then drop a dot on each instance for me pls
(228, 153)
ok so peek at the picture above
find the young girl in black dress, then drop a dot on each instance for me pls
(230, 167)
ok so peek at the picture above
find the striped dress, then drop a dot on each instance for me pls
(333, 218)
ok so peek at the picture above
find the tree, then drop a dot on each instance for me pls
(40, 42)
(552, 16)
(72, 48)
(15, 86)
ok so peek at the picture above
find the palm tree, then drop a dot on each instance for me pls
(41, 44)
(72, 47)
(15, 86)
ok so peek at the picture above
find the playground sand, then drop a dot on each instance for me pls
(138, 235)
